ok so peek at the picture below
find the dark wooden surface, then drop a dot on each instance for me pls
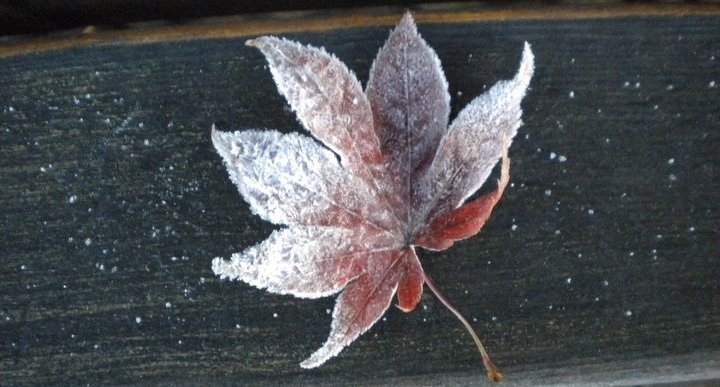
(600, 265)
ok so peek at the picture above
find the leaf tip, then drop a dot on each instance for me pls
(526, 46)
(219, 142)
(527, 64)
(312, 362)
(407, 18)
(404, 308)
(215, 136)
(218, 267)
(407, 23)
(262, 42)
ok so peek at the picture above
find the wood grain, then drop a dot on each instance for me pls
(332, 20)
(599, 265)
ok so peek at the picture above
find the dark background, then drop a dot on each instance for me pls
(42, 16)
(45, 16)
(599, 265)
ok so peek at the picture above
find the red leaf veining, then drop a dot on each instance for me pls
(401, 180)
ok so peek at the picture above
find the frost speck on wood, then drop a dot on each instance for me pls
(401, 181)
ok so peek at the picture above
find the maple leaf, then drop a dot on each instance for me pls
(391, 176)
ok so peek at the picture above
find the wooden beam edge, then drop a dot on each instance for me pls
(318, 21)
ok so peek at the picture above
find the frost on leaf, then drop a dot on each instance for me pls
(390, 175)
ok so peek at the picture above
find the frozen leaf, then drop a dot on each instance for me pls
(409, 97)
(327, 98)
(401, 182)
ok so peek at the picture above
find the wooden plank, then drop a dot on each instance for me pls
(329, 20)
(601, 258)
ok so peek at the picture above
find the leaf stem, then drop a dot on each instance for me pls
(493, 372)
